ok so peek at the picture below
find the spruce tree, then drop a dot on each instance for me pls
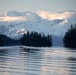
(69, 39)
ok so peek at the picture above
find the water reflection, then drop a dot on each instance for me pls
(42, 61)
(72, 65)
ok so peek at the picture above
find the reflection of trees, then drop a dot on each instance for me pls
(72, 65)
(33, 61)
(30, 50)
(3, 54)
(11, 62)
(3, 59)
(72, 59)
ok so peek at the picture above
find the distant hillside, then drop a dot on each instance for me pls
(8, 41)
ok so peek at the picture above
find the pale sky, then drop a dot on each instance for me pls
(37, 5)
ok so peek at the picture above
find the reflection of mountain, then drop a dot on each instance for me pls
(14, 23)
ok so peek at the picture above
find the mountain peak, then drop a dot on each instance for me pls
(12, 13)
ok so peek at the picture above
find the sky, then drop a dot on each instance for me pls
(37, 5)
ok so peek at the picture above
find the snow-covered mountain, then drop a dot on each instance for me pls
(14, 24)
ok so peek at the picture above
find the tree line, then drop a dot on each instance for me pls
(29, 39)
(39, 39)
(36, 39)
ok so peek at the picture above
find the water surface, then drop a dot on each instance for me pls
(37, 61)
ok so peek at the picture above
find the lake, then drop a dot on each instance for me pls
(15, 60)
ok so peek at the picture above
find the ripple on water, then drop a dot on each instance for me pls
(37, 61)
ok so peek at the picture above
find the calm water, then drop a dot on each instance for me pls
(40, 61)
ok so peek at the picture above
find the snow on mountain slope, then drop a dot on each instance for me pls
(14, 24)
(52, 16)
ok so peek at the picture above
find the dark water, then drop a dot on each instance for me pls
(40, 61)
